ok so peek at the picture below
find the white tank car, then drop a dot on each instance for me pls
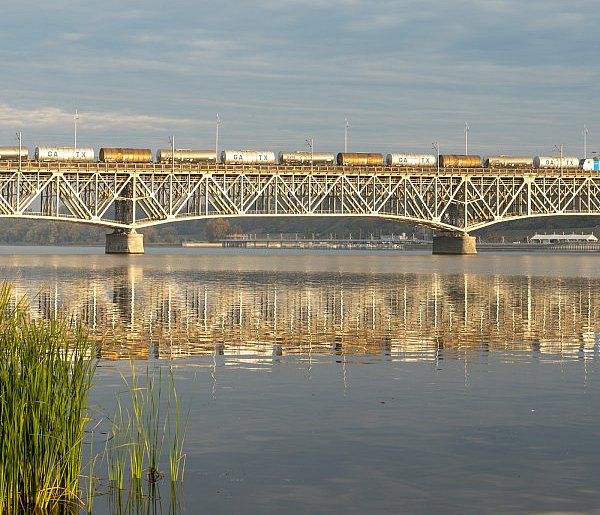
(64, 154)
(306, 158)
(508, 162)
(417, 160)
(591, 163)
(251, 157)
(186, 156)
(12, 153)
(555, 162)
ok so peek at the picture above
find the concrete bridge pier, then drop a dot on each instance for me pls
(124, 241)
(457, 244)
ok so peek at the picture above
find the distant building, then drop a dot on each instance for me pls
(563, 238)
(393, 237)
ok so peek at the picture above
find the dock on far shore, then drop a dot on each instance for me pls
(308, 243)
(385, 244)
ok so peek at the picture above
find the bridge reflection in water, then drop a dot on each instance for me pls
(409, 316)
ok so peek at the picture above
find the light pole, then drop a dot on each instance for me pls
(467, 128)
(346, 127)
(585, 134)
(436, 147)
(218, 122)
(75, 119)
(311, 144)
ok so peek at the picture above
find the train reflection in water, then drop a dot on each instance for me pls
(405, 316)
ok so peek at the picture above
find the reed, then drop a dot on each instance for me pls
(135, 427)
(176, 432)
(46, 372)
(154, 431)
(116, 446)
(139, 426)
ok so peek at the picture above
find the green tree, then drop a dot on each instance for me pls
(217, 229)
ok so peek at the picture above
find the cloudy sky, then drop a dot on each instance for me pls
(405, 73)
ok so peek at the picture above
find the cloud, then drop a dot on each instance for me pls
(73, 36)
(404, 71)
(49, 117)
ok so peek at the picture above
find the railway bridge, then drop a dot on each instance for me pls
(129, 197)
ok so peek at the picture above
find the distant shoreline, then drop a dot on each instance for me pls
(482, 247)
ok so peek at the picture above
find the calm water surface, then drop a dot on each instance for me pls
(338, 382)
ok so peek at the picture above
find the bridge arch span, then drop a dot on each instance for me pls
(490, 223)
(403, 219)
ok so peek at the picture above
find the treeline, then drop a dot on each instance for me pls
(43, 232)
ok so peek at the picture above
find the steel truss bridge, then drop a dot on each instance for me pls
(133, 196)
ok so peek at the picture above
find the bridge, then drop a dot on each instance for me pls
(129, 197)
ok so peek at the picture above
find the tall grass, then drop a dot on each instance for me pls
(153, 432)
(176, 433)
(142, 421)
(46, 373)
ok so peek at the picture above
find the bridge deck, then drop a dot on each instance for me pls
(190, 168)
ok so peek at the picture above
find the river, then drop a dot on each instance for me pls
(349, 381)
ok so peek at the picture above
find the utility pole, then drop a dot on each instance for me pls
(218, 122)
(19, 138)
(467, 128)
(172, 141)
(585, 134)
(346, 127)
(75, 119)
(560, 149)
(436, 147)
(311, 143)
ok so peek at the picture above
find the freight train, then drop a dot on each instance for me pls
(255, 157)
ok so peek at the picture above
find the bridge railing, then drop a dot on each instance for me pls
(212, 168)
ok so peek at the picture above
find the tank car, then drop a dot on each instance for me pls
(252, 157)
(568, 163)
(64, 154)
(306, 158)
(359, 159)
(125, 155)
(12, 153)
(508, 162)
(418, 160)
(591, 163)
(186, 156)
(460, 161)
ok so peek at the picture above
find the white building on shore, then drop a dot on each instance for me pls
(563, 238)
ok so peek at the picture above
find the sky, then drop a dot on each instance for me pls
(524, 74)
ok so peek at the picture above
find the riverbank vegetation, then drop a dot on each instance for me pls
(46, 371)
(51, 440)
(45, 232)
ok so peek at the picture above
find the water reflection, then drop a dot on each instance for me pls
(154, 312)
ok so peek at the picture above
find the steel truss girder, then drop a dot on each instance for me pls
(454, 201)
